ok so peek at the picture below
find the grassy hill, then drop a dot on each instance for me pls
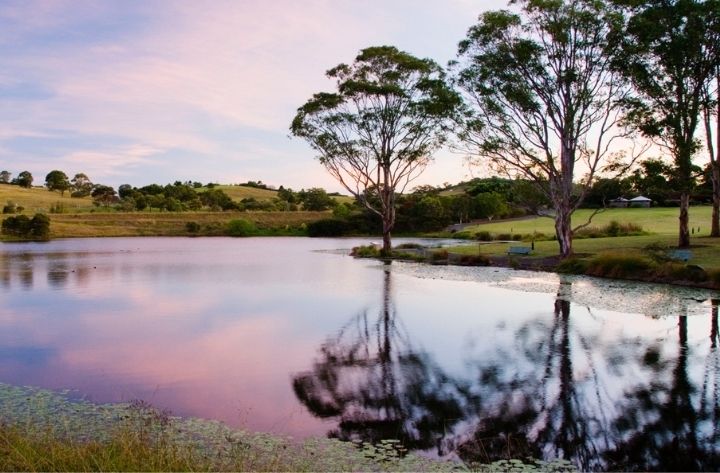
(245, 192)
(39, 199)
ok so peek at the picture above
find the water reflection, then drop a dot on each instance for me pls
(663, 426)
(556, 388)
(379, 386)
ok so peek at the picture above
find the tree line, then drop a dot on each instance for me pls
(550, 92)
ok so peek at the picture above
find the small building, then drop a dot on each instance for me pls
(640, 201)
(620, 202)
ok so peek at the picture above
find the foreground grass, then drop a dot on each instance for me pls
(43, 430)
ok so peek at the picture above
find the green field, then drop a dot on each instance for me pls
(660, 220)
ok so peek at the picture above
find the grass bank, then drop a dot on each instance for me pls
(46, 431)
(79, 225)
(642, 249)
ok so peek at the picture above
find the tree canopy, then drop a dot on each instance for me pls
(670, 52)
(542, 96)
(378, 130)
(57, 181)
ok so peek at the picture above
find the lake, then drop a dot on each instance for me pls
(292, 336)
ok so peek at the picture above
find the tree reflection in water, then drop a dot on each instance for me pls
(663, 426)
(537, 404)
(555, 389)
(371, 378)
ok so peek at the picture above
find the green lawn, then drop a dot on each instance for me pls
(656, 220)
(660, 223)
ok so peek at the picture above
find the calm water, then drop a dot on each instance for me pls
(289, 335)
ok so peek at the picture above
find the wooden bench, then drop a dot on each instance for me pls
(519, 250)
(681, 255)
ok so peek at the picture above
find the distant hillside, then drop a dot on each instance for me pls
(39, 199)
(245, 192)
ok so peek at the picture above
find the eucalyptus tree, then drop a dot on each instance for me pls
(670, 53)
(543, 98)
(24, 179)
(57, 181)
(712, 107)
(376, 133)
(82, 185)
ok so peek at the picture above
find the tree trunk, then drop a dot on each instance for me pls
(715, 221)
(387, 244)
(563, 229)
(684, 237)
(715, 171)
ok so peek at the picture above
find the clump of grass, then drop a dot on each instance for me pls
(613, 265)
(504, 236)
(572, 265)
(473, 260)
(714, 276)
(125, 451)
(192, 227)
(483, 235)
(439, 257)
(611, 229)
(241, 228)
(682, 272)
(463, 235)
(369, 251)
(409, 246)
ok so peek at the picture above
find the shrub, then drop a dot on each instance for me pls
(618, 266)
(464, 235)
(517, 237)
(484, 236)
(682, 272)
(57, 208)
(241, 228)
(657, 252)
(10, 208)
(327, 227)
(20, 226)
(503, 236)
(192, 227)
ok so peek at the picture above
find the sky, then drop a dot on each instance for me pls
(154, 91)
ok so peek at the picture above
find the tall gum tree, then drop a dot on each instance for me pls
(543, 97)
(712, 107)
(670, 53)
(376, 133)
